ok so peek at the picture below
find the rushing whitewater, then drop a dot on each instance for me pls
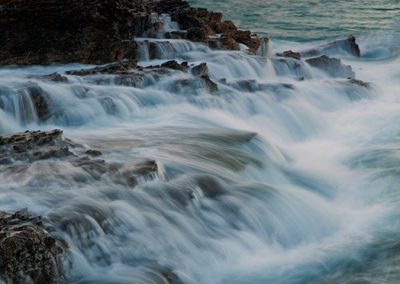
(284, 173)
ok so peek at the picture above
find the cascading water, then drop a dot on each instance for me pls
(283, 174)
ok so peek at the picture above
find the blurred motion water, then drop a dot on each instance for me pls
(285, 174)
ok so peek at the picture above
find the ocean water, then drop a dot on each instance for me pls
(285, 174)
(309, 20)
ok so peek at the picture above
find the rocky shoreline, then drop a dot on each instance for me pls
(105, 32)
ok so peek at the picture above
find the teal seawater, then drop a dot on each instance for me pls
(309, 20)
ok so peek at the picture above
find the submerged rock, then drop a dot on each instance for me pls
(332, 66)
(28, 254)
(359, 83)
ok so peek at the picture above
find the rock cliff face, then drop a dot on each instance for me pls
(101, 31)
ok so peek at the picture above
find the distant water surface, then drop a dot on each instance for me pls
(308, 19)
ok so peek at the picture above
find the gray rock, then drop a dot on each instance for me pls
(332, 66)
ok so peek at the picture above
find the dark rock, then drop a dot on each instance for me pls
(290, 54)
(145, 168)
(332, 66)
(228, 42)
(92, 31)
(33, 146)
(343, 46)
(200, 70)
(211, 85)
(28, 254)
(247, 38)
(172, 64)
(203, 26)
(93, 153)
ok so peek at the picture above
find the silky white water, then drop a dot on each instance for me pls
(283, 175)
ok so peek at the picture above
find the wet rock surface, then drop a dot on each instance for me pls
(28, 254)
(201, 25)
(290, 54)
(332, 66)
(32, 146)
(102, 31)
(347, 46)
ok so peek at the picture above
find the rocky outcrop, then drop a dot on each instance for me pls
(28, 254)
(201, 25)
(90, 31)
(32, 146)
(102, 31)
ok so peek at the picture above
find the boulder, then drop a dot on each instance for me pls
(28, 253)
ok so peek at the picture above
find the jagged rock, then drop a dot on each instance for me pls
(211, 85)
(28, 254)
(200, 70)
(290, 54)
(203, 26)
(102, 31)
(33, 146)
(122, 67)
(332, 66)
(348, 46)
